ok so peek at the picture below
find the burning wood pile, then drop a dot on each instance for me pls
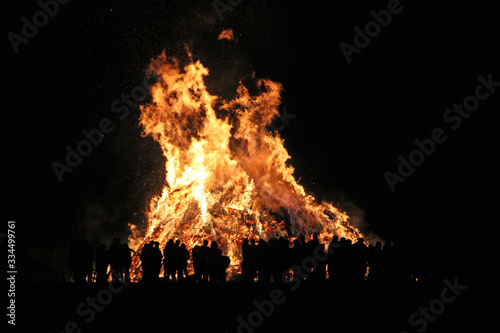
(228, 176)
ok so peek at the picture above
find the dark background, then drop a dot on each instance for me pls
(352, 120)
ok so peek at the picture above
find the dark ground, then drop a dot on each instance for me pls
(213, 308)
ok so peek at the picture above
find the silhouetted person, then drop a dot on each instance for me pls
(125, 262)
(297, 254)
(274, 259)
(333, 259)
(359, 259)
(178, 259)
(184, 257)
(281, 258)
(217, 264)
(402, 264)
(81, 261)
(252, 260)
(344, 263)
(245, 262)
(312, 245)
(101, 264)
(387, 265)
(115, 257)
(264, 262)
(196, 263)
(374, 261)
(318, 249)
(284, 246)
(169, 260)
(156, 258)
(147, 262)
(204, 253)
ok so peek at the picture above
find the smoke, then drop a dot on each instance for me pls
(357, 219)
(101, 223)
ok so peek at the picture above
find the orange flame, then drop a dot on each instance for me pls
(226, 34)
(227, 177)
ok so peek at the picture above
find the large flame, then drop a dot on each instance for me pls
(227, 175)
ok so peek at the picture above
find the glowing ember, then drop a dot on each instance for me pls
(226, 34)
(227, 176)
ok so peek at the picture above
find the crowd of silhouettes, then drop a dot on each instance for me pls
(115, 261)
(342, 261)
(208, 262)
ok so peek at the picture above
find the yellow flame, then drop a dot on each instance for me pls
(227, 177)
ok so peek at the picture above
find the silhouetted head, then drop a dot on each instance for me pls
(315, 236)
(214, 245)
(252, 241)
(178, 242)
(378, 245)
(183, 246)
(360, 240)
(335, 239)
(205, 242)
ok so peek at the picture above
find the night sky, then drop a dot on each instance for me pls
(352, 120)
